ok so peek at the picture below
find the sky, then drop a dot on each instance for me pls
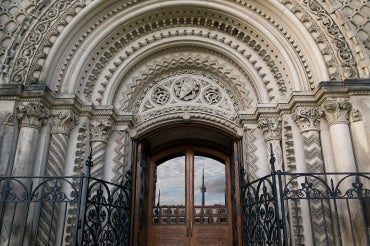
(171, 180)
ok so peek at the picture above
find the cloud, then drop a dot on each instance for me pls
(171, 181)
(216, 185)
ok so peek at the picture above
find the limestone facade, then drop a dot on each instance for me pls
(291, 73)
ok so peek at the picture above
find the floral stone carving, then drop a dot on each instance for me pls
(186, 92)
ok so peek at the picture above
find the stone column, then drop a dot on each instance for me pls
(336, 111)
(100, 131)
(271, 127)
(308, 120)
(31, 116)
(61, 123)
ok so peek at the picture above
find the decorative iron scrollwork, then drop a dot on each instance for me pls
(107, 215)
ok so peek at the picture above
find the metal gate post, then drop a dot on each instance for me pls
(85, 180)
(278, 201)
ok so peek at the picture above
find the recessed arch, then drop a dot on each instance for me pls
(276, 38)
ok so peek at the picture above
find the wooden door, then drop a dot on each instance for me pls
(189, 198)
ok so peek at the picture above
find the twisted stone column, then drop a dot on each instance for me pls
(61, 123)
(100, 131)
(308, 120)
(31, 116)
(336, 111)
(271, 128)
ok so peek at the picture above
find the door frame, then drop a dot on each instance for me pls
(141, 152)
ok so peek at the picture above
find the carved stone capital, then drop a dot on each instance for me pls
(62, 121)
(271, 127)
(100, 130)
(32, 114)
(307, 118)
(356, 115)
(336, 110)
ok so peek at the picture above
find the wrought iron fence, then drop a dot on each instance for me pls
(73, 210)
(307, 209)
(107, 213)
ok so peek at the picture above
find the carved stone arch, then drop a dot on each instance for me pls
(35, 67)
(133, 83)
(296, 56)
(265, 75)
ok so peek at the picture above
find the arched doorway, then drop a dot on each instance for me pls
(186, 187)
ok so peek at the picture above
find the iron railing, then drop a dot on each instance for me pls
(71, 210)
(307, 209)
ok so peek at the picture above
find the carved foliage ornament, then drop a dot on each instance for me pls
(336, 110)
(63, 121)
(183, 92)
(271, 127)
(32, 114)
(100, 129)
(307, 118)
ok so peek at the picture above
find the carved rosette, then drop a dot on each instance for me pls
(186, 92)
(271, 127)
(307, 118)
(336, 110)
(32, 114)
(63, 121)
(100, 130)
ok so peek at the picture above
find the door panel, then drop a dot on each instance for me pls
(190, 205)
(211, 235)
(168, 235)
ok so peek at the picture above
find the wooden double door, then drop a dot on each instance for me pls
(189, 198)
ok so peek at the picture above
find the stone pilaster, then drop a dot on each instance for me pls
(360, 141)
(271, 127)
(100, 130)
(121, 163)
(62, 122)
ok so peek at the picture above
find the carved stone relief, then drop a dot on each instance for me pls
(186, 91)
(336, 110)
(328, 30)
(32, 114)
(211, 66)
(34, 49)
